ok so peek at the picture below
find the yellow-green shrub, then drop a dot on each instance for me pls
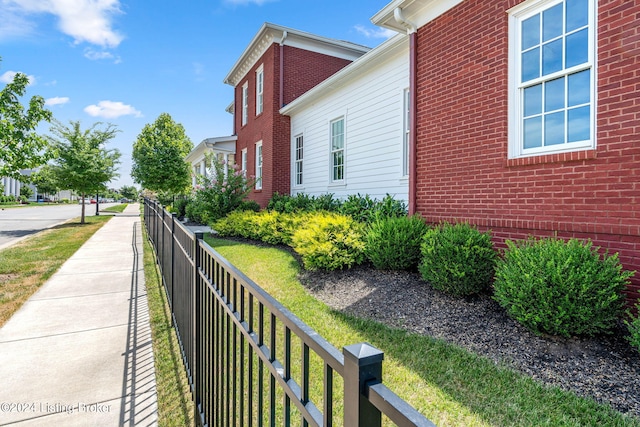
(329, 241)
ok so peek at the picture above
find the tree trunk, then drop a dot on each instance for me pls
(82, 210)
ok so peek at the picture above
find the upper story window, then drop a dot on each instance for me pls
(337, 150)
(259, 90)
(245, 103)
(298, 159)
(259, 165)
(552, 56)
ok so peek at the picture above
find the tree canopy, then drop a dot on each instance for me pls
(129, 192)
(81, 162)
(45, 180)
(159, 157)
(20, 146)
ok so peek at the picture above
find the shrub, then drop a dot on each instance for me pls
(179, 206)
(390, 207)
(394, 243)
(270, 227)
(560, 288)
(219, 192)
(248, 205)
(457, 259)
(285, 203)
(329, 241)
(634, 328)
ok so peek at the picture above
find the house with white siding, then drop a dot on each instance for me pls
(349, 134)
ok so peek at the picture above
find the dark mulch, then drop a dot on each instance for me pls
(605, 368)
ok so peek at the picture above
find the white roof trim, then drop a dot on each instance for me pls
(351, 71)
(224, 144)
(271, 33)
(418, 12)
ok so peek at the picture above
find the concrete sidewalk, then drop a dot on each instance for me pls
(79, 353)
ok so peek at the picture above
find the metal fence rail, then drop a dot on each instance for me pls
(251, 361)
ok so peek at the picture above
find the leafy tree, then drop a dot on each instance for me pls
(45, 180)
(159, 157)
(82, 163)
(129, 192)
(20, 146)
(26, 191)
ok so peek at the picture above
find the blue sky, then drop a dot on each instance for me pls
(127, 61)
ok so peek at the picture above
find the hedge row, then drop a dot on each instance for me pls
(549, 285)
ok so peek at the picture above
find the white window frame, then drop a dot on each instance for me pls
(406, 130)
(516, 104)
(298, 160)
(259, 90)
(245, 103)
(259, 165)
(332, 152)
(243, 161)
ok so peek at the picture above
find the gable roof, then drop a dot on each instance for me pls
(272, 33)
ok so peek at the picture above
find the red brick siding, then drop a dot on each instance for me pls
(462, 118)
(302, 71)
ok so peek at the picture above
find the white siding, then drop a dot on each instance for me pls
(372, 106)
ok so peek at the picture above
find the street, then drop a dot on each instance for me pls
(16, 223)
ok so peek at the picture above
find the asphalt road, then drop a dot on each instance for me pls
(20, 222)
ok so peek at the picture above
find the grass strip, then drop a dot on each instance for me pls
(175, 405)
(28, 264)
(449, 385)
(116, 208)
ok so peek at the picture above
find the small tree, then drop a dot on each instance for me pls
(20, 146)
(159, 157)
(82, 162)
(26, 192)
(45, 180)
(129, 192)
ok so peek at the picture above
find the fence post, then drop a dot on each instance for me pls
(362, 366)
(173, 243)
(196, 370)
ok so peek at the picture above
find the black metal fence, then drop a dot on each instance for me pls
(250, 361)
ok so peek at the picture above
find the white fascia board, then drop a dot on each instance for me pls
(224, 143)
(419, 13)
(351, 72)
(271, 33)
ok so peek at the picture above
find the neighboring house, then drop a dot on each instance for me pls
(527, 117)
(349, 133)
(223, 148)
(278, 66)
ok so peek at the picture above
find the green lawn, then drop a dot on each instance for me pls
(449, 385)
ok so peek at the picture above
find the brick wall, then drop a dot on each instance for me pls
(462, 119)
(302, 71)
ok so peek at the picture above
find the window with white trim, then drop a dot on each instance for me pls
(298, 159)
(259, 165)
(552, 52)
(337, 150)
(243, 161)
(406, 114)
(259, 90)
(245, 103)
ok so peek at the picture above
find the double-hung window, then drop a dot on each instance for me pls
(299, 157)
(552, 52)
(259, 90)
(243, 161)
(259, 166)
(245, 103)
(337, 150)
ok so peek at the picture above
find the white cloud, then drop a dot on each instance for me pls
(377, 33)
(111, 110)
(95, 55)
(58, 100)
(85, 20)
(8, 76)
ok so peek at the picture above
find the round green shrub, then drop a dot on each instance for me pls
(457, 259)
(560, 288)
(393, 243)
(329, 241)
